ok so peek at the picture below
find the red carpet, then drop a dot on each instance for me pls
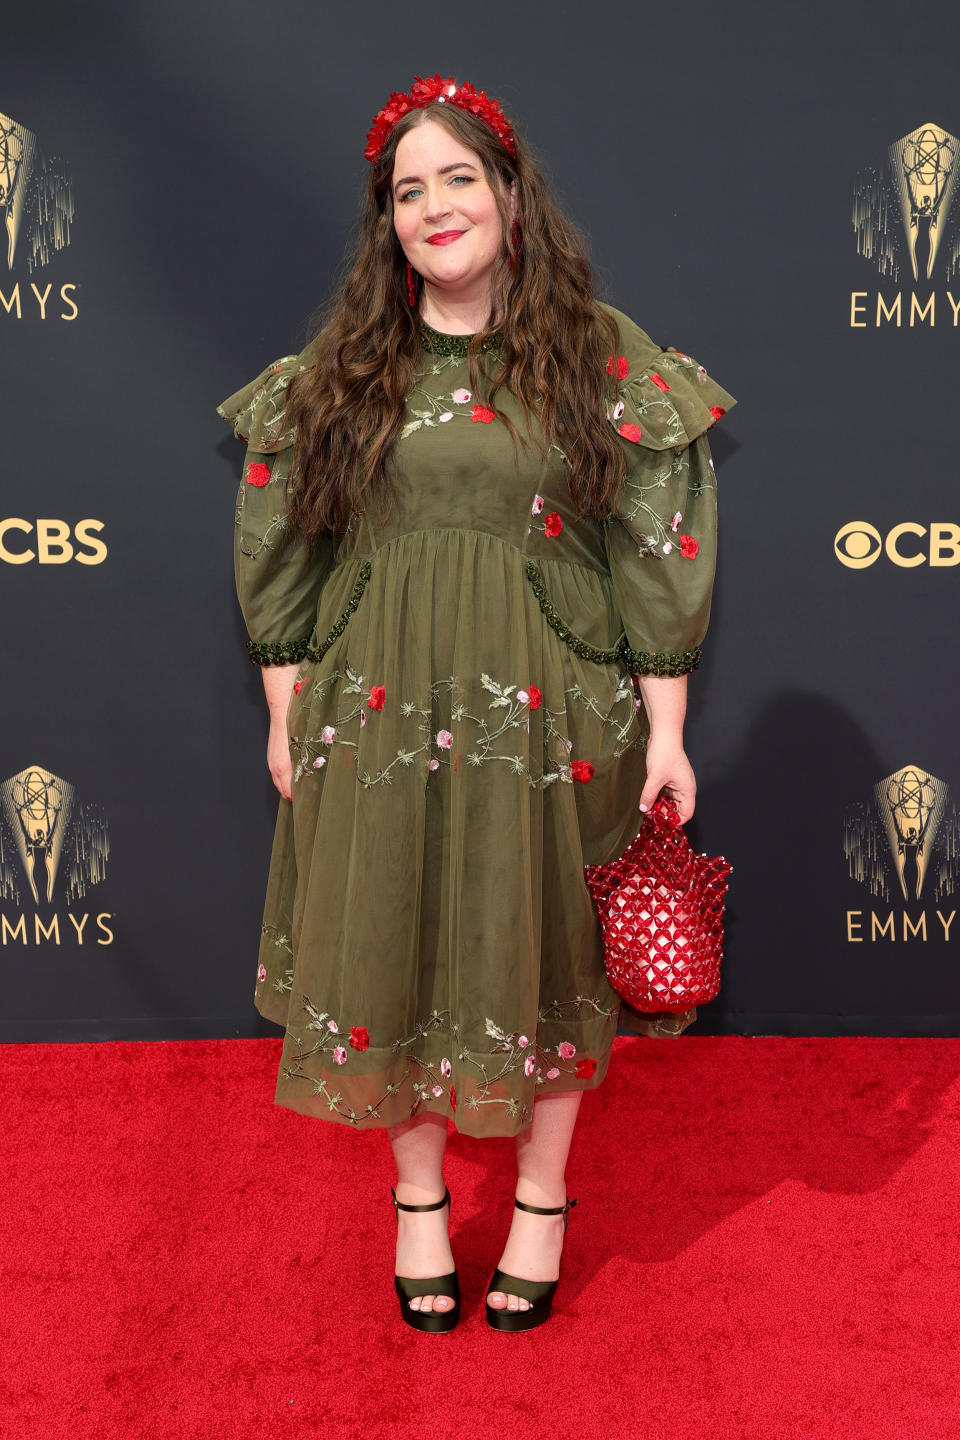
(765, 1247)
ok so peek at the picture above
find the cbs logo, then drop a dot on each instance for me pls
(858, 544)
(51, 542)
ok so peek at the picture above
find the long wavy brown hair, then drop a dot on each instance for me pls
(552, 355)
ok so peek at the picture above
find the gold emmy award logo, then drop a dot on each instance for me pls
(36, 197)
(914, 195)
(906, 837)
(45, 827)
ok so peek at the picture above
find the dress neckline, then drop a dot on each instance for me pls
(440, 343)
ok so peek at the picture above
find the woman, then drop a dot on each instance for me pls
(473, 508)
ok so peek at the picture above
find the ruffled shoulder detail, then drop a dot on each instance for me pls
(665, 398)
(256, 411)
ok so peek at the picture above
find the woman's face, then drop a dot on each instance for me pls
(444, 211)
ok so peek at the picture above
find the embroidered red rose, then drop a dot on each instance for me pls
(553, 524)
(688, 547)
(659, 381)
(482, 416)
(298, 686)
(623, 368)
(631, 432)
(581, 770)
(453, 1098)
(258, 474)
(536, 697)
(359, 1037)
(377, 696)
(585, 1068)
(716, 411)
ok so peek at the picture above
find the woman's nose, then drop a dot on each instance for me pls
(436, 204)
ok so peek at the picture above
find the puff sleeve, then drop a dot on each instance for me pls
(278, 576)
(661, 541)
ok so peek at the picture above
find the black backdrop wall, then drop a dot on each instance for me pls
(179, 185)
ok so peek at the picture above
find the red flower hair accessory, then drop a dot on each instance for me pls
(444, 92)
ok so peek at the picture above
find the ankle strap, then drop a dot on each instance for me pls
(437, 1205)
(553, 1210)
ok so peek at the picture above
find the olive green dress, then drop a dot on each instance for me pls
(466, 736)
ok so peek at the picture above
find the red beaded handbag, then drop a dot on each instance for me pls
(660, 906)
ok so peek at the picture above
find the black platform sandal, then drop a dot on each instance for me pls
(539, 1292)
(432, 1321)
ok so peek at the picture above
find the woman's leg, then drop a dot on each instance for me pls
(423, 1246)
(535, 1241)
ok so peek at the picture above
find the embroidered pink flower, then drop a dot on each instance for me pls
(258, 474)
(438, 1091)
(461, 397)
(446, 1069)
(536, 697)
(444, 739)
(552, 525)
(522, 1041)
(320, 761)
(482, 416)
(434, 765)
(537, 505)
(298, 686)
(631, 432)
(581, 770)
(675, 522)
(340, 1055)
(688, 547)
(666, 547)
(565, 1050)
(377, 696)
(552, 1074)
(327, 734)
(333, 1027)
(262, 972)
(618, 409)
(522, 696)
(529, 1065)
(585, 1068)
(659, 381)
(447, 415)
(623, 369)
(363, 718)
(359, 1037)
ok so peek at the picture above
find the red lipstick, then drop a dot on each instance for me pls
(445, 237)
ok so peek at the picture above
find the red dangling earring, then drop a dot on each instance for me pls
(516, 240)
(411, 285)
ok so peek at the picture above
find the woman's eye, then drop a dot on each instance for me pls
(406, 196)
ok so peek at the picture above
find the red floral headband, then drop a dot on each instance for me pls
(425, 92)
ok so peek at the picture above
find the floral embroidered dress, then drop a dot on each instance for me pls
(466, 736)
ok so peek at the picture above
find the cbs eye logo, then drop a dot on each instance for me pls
(858, 544)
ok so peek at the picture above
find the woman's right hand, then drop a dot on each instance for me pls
(279, 759)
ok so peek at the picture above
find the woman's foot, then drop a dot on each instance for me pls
(533, 1247)
(423, 1244)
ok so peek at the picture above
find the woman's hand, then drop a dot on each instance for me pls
(279, 760)
(278, 682)
(668, 769)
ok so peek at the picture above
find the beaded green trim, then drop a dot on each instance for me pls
(637, 662)
(555, 621)
(665, 662)
(281, 652)
(456, 345)
(317, 652)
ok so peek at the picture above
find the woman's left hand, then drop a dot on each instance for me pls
(669, 770)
